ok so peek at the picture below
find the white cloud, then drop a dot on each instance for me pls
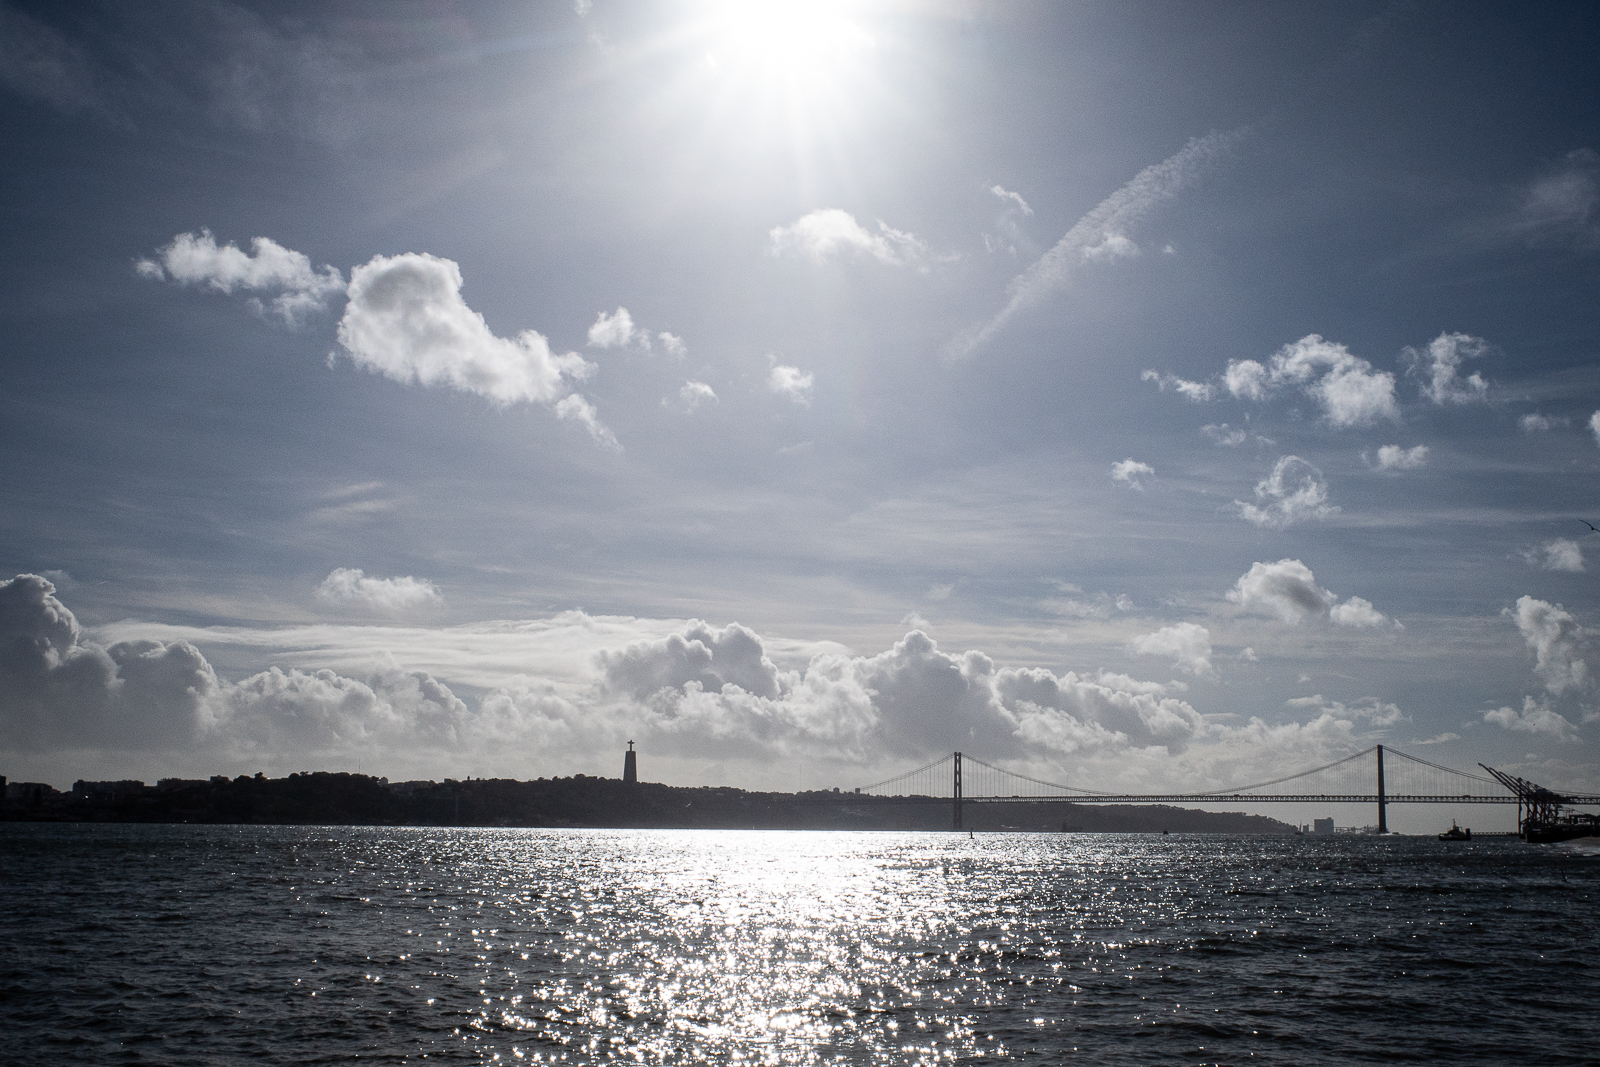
(1436, 739)
(1187, 644)
(1439, 367)
(686, 400)
(407, 321)
(1556, 640)
(1015, 198)
(674, 344)
(1535, 718)
(1350, 392)
(789, 382)
(1198, 392)
(1225, 435)
(615, 330)
(1289, 590)
(1294, 492)
(1129, 471)
(1594, 426)
(1356, 612)
(1371, 709)
(1538, 423)
(1559, 554)
(351, 585)
(576, 408)
(829, 232)
(1101, 234)
(197, 259)
(1395, 458)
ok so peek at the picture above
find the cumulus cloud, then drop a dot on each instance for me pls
(1289, 590)
(790, 383)
(1011, 197)
(675, 345)
(348, 585)
(1534, 718)
(612, 331)
(60, 690)
(1556, 639)
(831, 232)
(1129, 471)
(688, 399)
(406, 320)
(1187, 644)
(1198, 392)
(1347, 387)
(1439, 367)
(1393, 458)
(197, 259)
(1559, 554)
(1102, 233)
(1370, 710)
(1294, 492)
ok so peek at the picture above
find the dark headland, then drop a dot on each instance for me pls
(335, 799)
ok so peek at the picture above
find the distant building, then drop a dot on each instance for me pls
(630, 765)
(29, 794)
(106, 791)
(1322, 826)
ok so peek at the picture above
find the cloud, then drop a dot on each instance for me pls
(1370, 710)
(1293, 493)
(406, 320)
(830, 232)
(1393, 458)
(1187, 644)
(1439, 367)
(789, 382)
(346, 585)
(1535, 718)
(1015, 198)
(1560, 205)
(1436, 739)
(1289, 590)
(1594, 426)
(59, 690)
(37, 62)
(197, 259)
(612, 331)
(1559, 554)
(1537, 423)
(1198, 392)
(674, 344)
(576, 408)
(1556, 640)
(1350, 392)
(686, 400)
(1101, 234)
(1129, 471)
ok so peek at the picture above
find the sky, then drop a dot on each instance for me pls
(1140, 396)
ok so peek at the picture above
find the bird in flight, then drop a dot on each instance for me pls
(1591, 525)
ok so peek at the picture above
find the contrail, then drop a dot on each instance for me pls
(1100, 234)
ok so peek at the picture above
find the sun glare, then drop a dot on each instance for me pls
(792, 40)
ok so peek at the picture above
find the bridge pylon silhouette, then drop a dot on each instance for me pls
(964, 779)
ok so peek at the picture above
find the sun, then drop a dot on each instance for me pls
(797, 43)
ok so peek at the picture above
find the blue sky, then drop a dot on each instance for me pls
(1135, 394)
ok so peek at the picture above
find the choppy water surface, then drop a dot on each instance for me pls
(201, 945)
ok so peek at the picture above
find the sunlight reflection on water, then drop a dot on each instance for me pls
(667, 947)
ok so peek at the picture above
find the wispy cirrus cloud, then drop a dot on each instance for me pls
(1102, 234)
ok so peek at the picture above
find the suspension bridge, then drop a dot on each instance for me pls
(960, 779)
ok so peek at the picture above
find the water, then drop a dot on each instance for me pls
(208, 945)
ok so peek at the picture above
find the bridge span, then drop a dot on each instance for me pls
(960, 779)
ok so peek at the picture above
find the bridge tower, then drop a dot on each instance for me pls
(957, 792)
(1383, 804)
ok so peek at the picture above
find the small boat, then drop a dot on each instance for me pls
(1455, 833)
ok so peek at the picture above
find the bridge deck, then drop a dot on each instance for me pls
(1222, 798)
